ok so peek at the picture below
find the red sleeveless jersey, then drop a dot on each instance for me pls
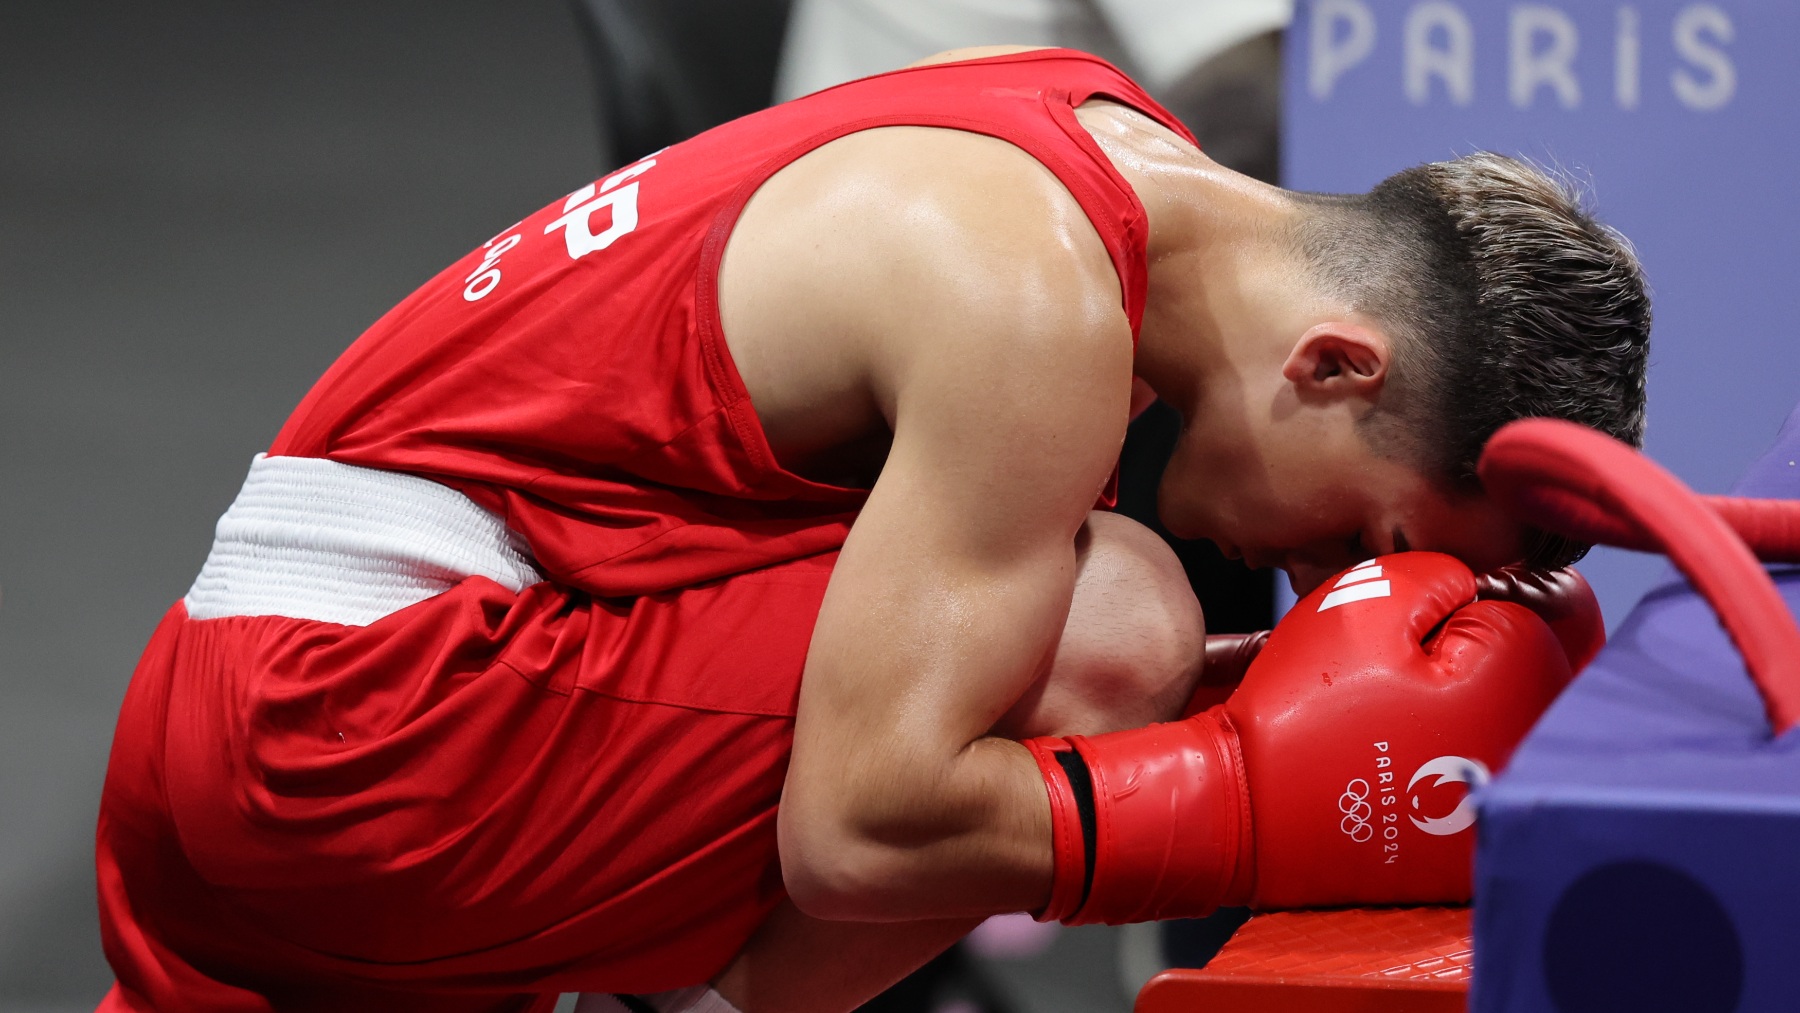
(487, 792)
(571, 375)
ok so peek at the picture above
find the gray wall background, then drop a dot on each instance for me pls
(201, 204)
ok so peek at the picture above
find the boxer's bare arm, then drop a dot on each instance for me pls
(1127, 656)
(964, 284)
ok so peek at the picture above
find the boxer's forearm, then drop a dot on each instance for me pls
(898, 806)
(947, 599)
(974, 841)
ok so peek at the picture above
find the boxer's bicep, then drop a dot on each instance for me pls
(949, 596)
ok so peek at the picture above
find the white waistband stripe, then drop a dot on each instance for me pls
(314, 539)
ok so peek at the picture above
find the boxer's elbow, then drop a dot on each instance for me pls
(829, 882)
(834, 872)
(856, 855)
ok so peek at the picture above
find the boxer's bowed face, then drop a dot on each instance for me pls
(1280, 475)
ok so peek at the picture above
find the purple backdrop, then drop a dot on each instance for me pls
(1681, 117)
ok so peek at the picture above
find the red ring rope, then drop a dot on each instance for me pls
(1770, 527)
(1580, 482)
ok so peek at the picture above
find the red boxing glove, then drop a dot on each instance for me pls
(1562, 598)
(1336, 774)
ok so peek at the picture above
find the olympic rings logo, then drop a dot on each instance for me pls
(1354, 804)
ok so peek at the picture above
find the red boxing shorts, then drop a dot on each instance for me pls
(485, 791)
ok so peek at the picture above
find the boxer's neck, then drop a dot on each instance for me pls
(1228, 291)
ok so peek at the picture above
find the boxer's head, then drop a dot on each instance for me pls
(1414, 321)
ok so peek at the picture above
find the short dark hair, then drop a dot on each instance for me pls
(1507, 299)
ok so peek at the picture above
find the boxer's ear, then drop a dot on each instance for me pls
(1339, 358)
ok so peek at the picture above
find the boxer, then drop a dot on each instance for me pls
(633, 605)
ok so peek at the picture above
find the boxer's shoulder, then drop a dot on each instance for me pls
(899, 244)
(919, 203)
